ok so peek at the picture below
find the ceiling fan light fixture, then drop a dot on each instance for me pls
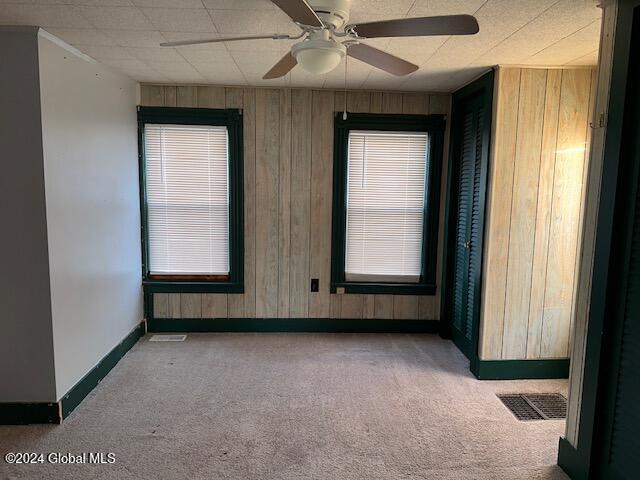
(319, 55)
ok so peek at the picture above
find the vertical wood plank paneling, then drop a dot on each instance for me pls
(266, 230)
(498, 209)
(301, 111)
(543, 215)
(428, 306)
(376, 102)
(523, 212)
(214, 305)
(335, 305)
(170, 96)
(391, 102)
(439, 104)
(210, 97)
(415, 103)
(186, 96)
(359, 102)
(191, 305)
(303, 219)
(161, 305)
(547, 143)
(173, 300)
(383, 307)
(351, 305)
(565, 212)
(369, 309)
(152, 95)
(233, 97)
(321, 189)
(405, 307)
(583, 202)
(284, 204)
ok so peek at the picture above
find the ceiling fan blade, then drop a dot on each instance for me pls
(274, 36)
(418, 27)
(382, 60)
(281, 68)
(299, 11)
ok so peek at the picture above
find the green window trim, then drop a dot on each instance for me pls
(434, 125)
(232, 119)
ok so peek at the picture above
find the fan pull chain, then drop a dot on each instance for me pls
(344, 113)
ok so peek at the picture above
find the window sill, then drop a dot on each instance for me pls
(385, 288)
(168, 286)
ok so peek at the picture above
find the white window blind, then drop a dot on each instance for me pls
(386, 178)
(187, 192)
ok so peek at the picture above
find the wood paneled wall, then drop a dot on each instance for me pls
(288, 160)
(535, 203)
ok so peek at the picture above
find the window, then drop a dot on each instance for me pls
(192, 191)
(386, 195)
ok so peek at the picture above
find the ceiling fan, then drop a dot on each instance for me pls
(328, 37)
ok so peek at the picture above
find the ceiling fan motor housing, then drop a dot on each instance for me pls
(333, 13)
(319, 53)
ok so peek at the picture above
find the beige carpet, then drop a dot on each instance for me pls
(296, 406)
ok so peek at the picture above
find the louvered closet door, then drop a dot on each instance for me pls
(621, 449)
(625, 442)
(468, 226)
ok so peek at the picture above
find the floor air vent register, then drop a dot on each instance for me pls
(535, 406)
(168, 338)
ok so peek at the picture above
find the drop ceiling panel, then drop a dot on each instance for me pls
(257, 63)
(125, 34)
(167, 3)
(445, 7)
(203, 55)
(155, 54)
(135, 38)
(301, 78)
(87, 36)
(63, 16)
(239, 4)
(590, 58)
(180, 19)
(560, 21)
(256, 22)
(119, 18)
(565, 49)
(108, 52)
(357, 74)
(366, 8)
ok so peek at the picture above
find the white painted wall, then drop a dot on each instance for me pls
(89, 134)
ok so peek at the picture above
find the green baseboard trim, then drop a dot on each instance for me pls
(571, 461)
(520, 369)
(29, 413)
(292, 325)
(87, 383)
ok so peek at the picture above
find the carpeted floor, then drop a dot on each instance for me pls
(296, 406)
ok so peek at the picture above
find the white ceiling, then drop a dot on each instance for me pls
(125, 34)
